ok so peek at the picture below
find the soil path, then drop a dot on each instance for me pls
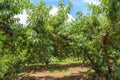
(66, 72)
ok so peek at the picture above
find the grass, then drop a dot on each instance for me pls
(67, 61)
(53, 67)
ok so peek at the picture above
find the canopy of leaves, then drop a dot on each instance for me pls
(94, 36)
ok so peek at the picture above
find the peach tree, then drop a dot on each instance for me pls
(12, 38)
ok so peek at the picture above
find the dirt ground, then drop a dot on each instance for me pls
(69, 72)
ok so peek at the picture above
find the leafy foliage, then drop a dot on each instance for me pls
(93, 37)
(11, 38)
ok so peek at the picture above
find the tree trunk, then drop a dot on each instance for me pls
(107, 57)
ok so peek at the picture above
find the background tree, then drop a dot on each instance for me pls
(45, 31)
